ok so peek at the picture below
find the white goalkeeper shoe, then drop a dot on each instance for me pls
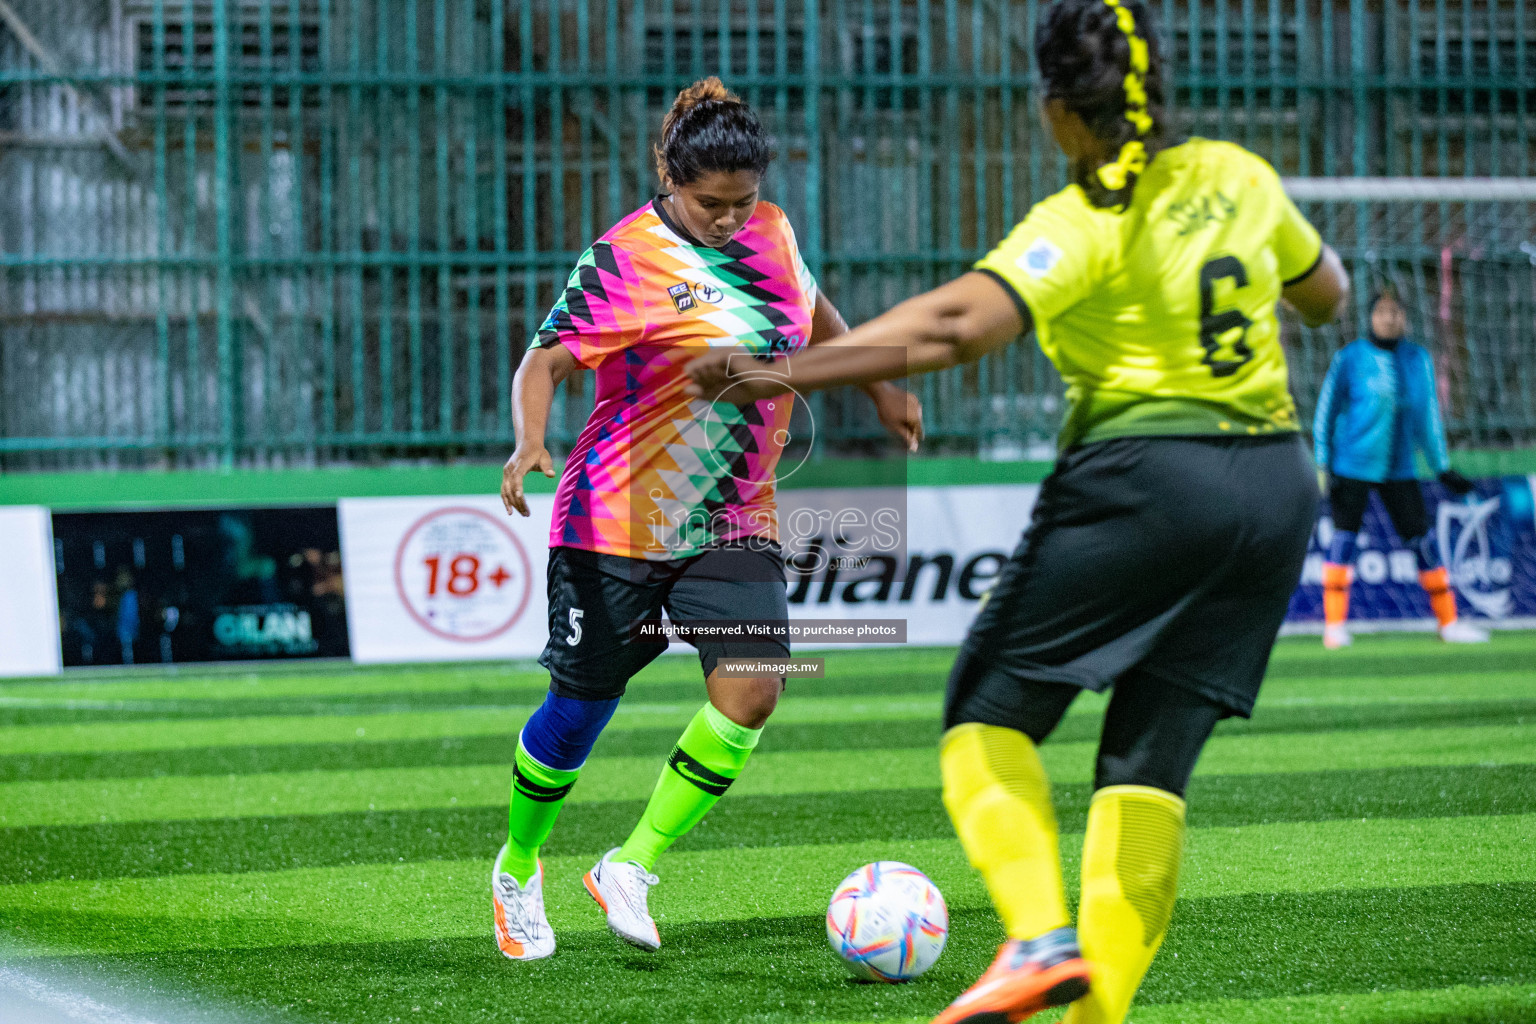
(1336, 636)
(522, 929)
(1463, 632)
(621, 888)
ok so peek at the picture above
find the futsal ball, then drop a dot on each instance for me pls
(887, 921)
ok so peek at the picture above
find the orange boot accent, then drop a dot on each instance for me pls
(1016, 987)
(1437, 583)
(1336, 579)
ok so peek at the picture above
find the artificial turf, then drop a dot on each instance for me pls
(313, 845)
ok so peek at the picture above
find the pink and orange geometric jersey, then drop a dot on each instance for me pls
(654, 474)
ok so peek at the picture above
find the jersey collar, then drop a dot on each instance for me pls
(677, 229)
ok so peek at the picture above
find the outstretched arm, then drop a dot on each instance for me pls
(533, 391)
(898, 410)
(956, 323)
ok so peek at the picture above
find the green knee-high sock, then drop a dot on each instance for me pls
(537, 793)
(707, 759)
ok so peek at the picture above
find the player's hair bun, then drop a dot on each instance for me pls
(709, 128)
(710, 88)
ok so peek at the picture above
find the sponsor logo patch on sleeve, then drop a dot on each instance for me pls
(1039, 259)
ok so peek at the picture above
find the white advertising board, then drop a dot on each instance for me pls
(434, 579)
(29, 609)
(443, 579)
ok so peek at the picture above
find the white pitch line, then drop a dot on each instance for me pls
(71, 1004)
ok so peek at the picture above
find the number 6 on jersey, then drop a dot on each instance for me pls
(1214, 326)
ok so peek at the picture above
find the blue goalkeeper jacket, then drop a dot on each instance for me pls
(1376, 407)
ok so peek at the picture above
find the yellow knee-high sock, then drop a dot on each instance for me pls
(999, 798)
(1131, 855)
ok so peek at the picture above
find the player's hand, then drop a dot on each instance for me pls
(1456, 483)
(900, 413)
(518, 466)
(710, 377)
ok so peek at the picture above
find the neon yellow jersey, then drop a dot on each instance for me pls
(1161, 318)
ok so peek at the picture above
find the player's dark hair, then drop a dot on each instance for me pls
(1385, 292)
(708, 129)
(1102, 59)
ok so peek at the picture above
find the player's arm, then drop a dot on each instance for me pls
(826, 322)
(955, 323)
(533, 392)
(1431, 429)
(1329, 402)
(1319, 295)
(899, 411)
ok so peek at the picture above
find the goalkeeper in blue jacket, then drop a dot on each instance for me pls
(1377, 406)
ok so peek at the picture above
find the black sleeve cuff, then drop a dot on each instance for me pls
(1308, 272)
(1013, 293)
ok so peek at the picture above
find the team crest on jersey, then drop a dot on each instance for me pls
(1040, 258)
(681, 298)
(706, 292)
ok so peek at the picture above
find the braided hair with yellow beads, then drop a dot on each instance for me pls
(1100, 59)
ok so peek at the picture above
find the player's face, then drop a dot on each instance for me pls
(1388, 319)
(713, 208)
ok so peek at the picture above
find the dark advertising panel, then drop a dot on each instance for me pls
(1485, 539)
(199, 585)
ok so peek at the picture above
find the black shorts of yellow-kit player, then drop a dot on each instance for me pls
(1160, 566)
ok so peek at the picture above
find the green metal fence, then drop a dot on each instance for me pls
(292, 231)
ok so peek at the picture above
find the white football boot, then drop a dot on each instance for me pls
(621, 888)
(1463, 632)
(1336, 636)
(522, 929)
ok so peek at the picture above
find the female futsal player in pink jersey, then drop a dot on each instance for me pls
(666, 502)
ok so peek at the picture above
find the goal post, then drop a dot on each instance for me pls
(1461, 255)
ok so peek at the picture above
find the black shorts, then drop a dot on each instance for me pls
(1403, 500)
(1153, 733)
(1173, 556)
(597, 602)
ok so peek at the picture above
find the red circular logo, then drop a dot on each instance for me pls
(463, 575)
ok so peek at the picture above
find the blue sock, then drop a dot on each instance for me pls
(560, 734)
(1341, 550)
(1426, 550)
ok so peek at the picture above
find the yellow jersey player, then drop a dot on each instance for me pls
(1164, 547)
